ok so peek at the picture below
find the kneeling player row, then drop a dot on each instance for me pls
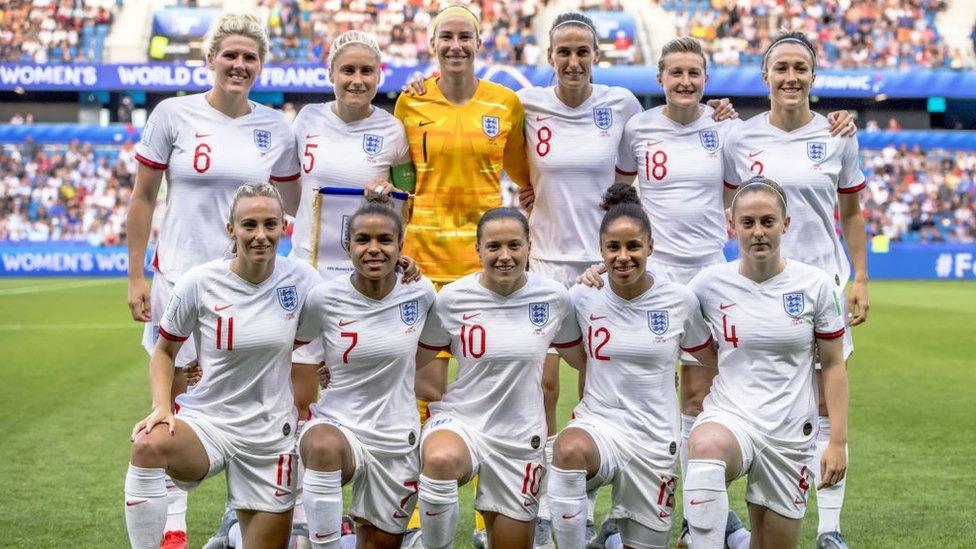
(245, 313)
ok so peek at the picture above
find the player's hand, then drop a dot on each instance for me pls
(723, 109)
(592, 276)
(378, 188)
(411, 271)
(415, 84)
(139, 300)
(833, 465)
(193, 373)
(163, 414)
(527, 198)
(841, 124)
(858, 303)
(325, 375)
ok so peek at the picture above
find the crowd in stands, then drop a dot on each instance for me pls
(80, 193)
(65, 193)
(918, 196)
(849, 33)
(54, 31)
(301, 31)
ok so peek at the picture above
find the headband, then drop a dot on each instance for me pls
(753, 183)
(335, 50)
(573, 22)
(456, 10)
(806, 46)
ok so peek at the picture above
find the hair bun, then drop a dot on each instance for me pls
(619, 193)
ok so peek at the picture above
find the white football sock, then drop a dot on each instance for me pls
(706, 503)
(175, 507)
(323, 505)
(567, 493)
(739, 539)
(438, 511)
(544, 513)
(687, 421)
(591, 504)
(830, 501)
(145, 506)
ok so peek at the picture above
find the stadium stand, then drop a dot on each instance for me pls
(52, 31)
(850, 34)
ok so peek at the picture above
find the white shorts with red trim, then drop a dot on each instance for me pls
(256, 481)
(384, 486)
(643, 483)
(779, 475)
(509, 483)
(159, 294)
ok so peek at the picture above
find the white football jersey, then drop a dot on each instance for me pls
(207, 155)
(571, 154)
(500, 344)
(244, 335)
(332, 153)
(370, 347)
(812, 167)
(632, 347)
(681, 173)
(766, 335)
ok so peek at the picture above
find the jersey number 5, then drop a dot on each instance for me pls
(310, 156)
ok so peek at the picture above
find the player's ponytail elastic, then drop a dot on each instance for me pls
(381, 205)
(622, 200)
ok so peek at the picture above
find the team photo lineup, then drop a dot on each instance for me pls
(361, 320)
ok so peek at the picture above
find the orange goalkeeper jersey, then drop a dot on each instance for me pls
(459, 152)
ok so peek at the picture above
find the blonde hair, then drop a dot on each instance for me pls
(241, 24)
(249, 190)
(455, 10)
(351, 38)
(682, 44)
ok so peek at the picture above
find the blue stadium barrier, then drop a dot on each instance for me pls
(900, 262)
(113, 134)
(116, 134)
(313, 78)
(911, 261)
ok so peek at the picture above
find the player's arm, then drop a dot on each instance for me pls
(161, 367)
(574, 355)
(138, 222)
(514, 161)
(707, 355)
(425, 355)
(833, 465)
(291, 194)
(855, 236)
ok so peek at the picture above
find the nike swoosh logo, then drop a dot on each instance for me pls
(344, 323)
(311, 135)
(567, 517)
(540, 118)
(653, 142)
(429, 514)
(595, 318)
(422, 124)
(754, 154)
(323, 536)
(133, 503)
(469, 316)
(202, 135)
(399, 515)
(724, 306)
(798, 500)
(700, 501)
(279, 493)
(663, 515)
(218, 308)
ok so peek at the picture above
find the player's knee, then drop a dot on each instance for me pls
(571, 448)
(442, 462)
(147, 451)
(322, 448)
(706, 443)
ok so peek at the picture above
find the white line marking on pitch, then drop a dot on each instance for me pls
(60, 286)
(105, 326)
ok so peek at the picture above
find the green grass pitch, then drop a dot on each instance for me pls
(74, 382)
